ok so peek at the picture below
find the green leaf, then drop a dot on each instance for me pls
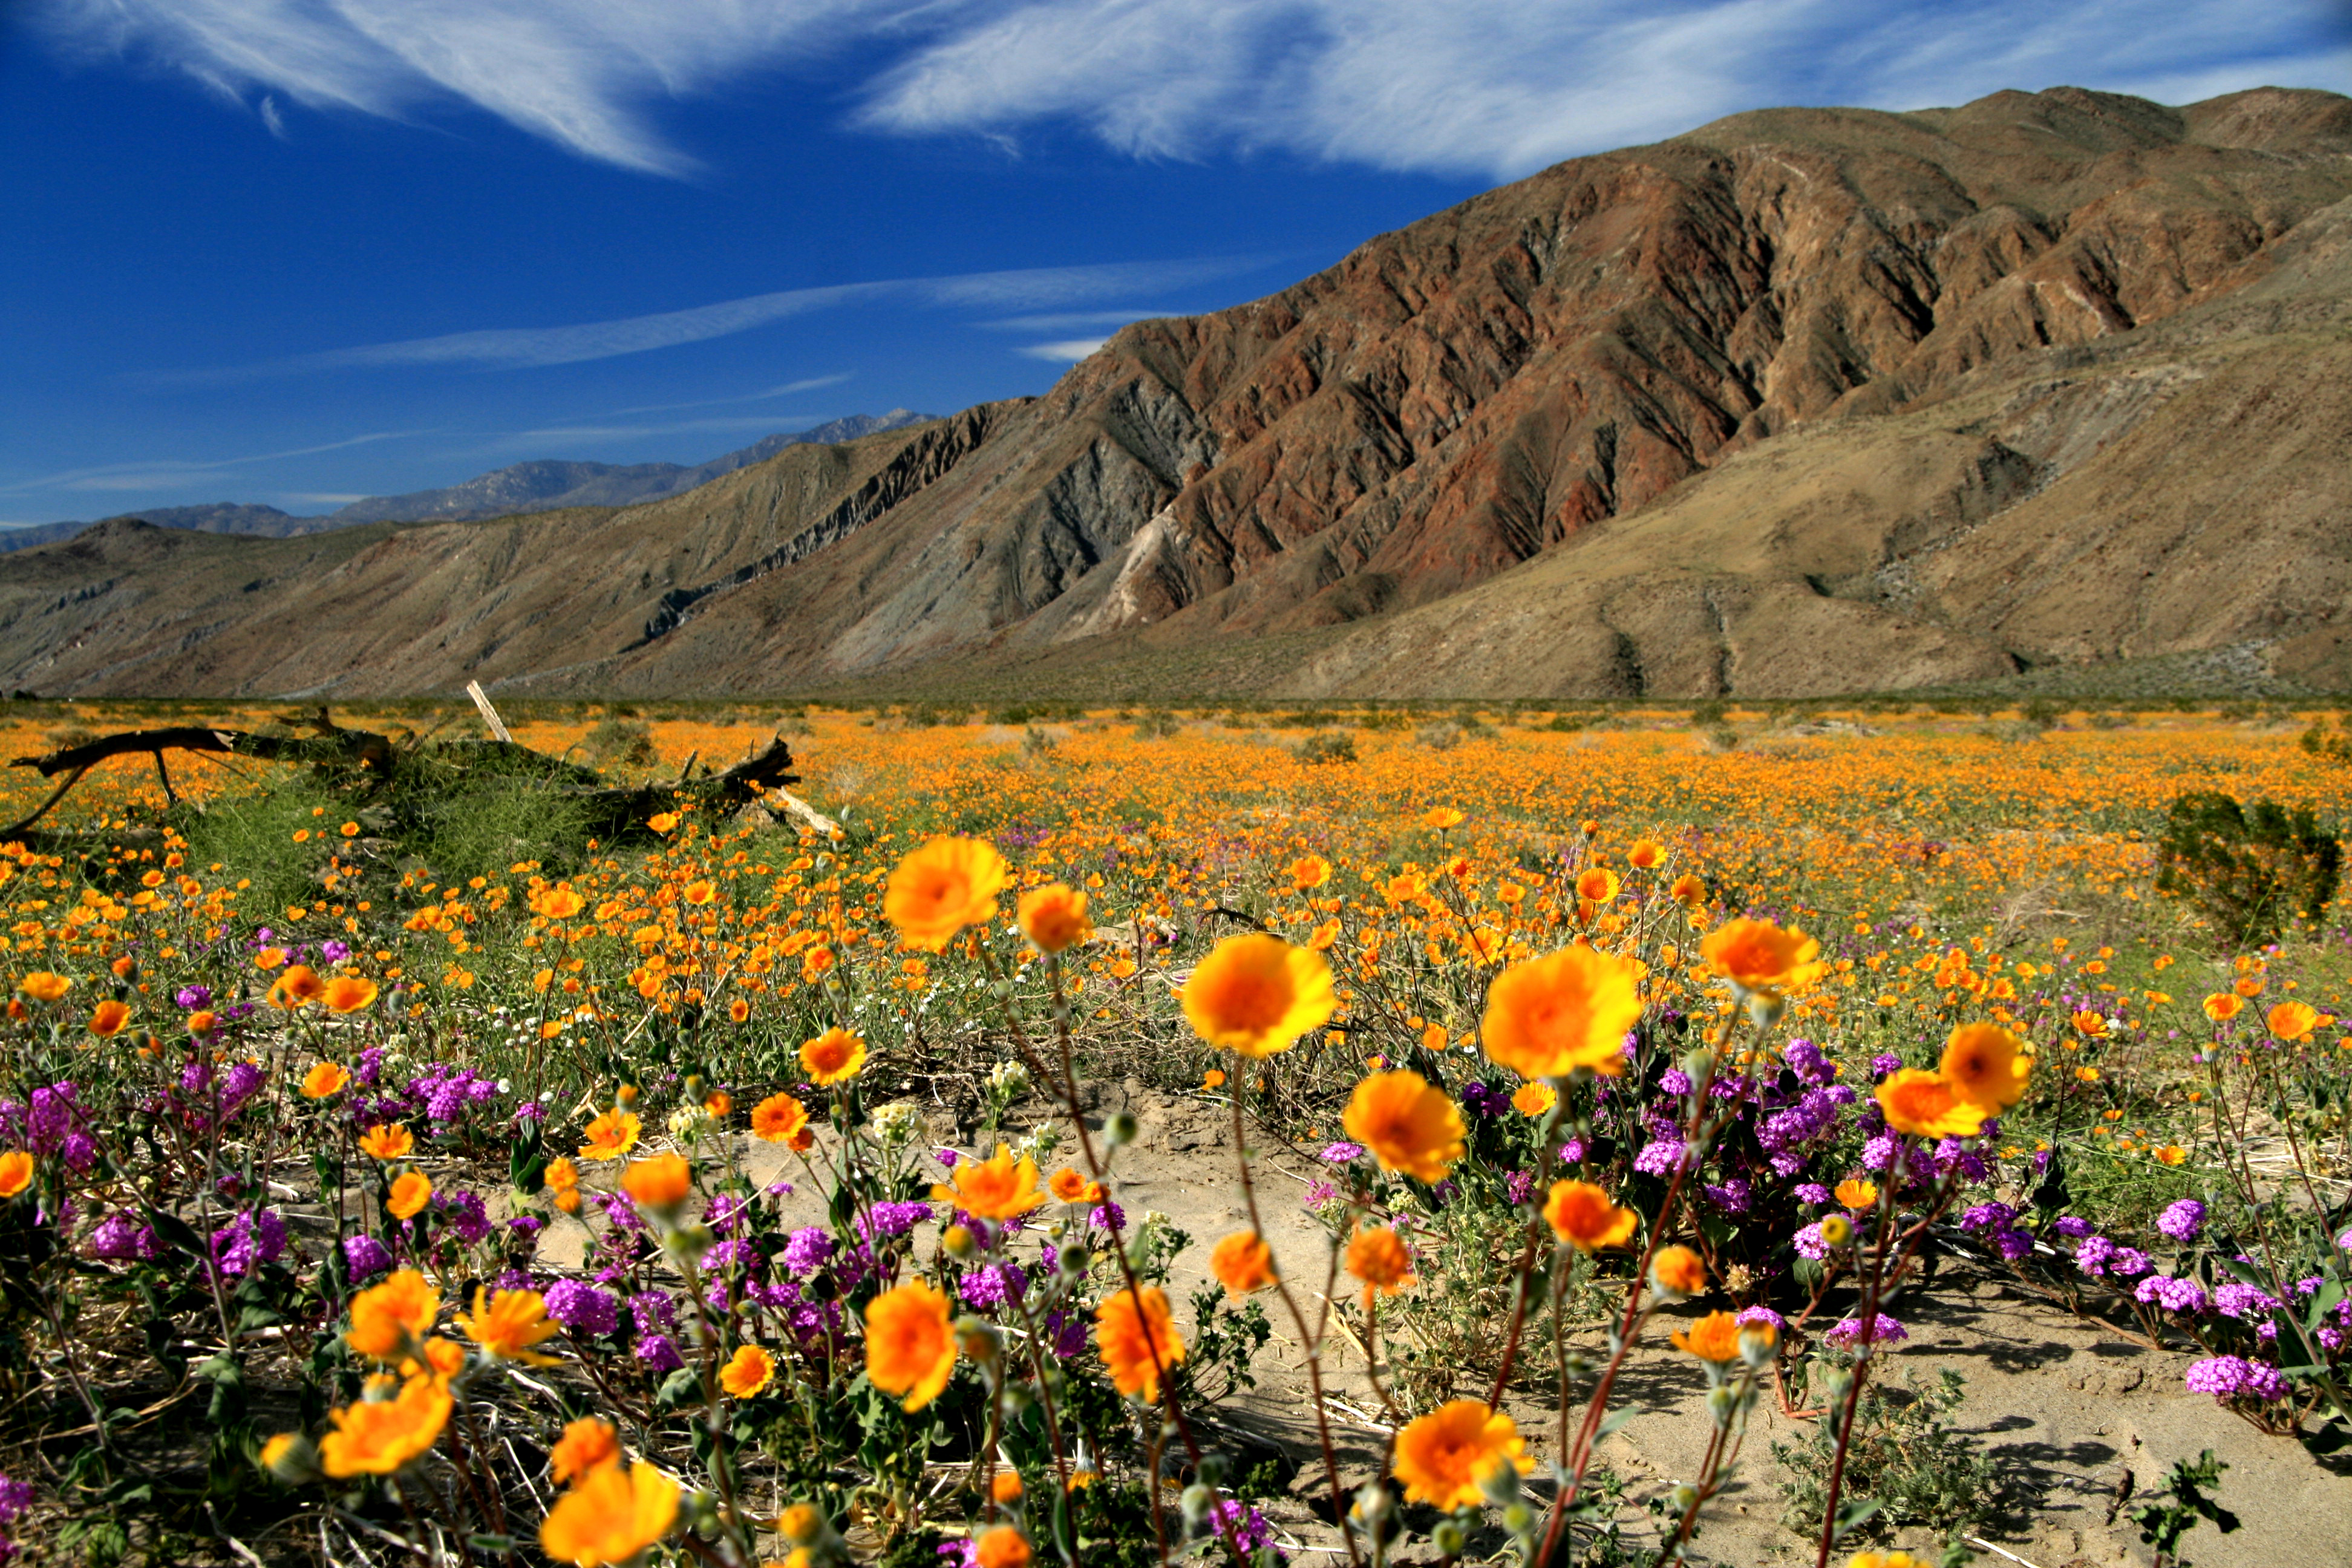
(1851, 1513)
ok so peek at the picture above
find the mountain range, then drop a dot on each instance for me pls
(1803, 401)
(518, 489)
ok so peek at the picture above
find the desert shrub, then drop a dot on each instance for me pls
(2247, 869)
(1157, 724)
(617, 739)
(1904, 1458)
(1317, 749)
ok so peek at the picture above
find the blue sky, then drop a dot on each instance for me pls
(297, 251)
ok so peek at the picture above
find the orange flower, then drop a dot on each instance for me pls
(610, 1516)
(1309, 873)
(1534, 1098)
(269, 958)
(1005, 1486)
(377, 1437)
(1378, 1258)
(1257, 993)
(700, 891)
(586, 1444)
(43, 986)
(1598, 885)
(941, 888)
(611, 1135)
(203, 1021)
(1243, 1263)
(1678, 1271)
(738, 1010)
(1857, 1193)
(663, 822)
(1069, 1186)
(1002, 1547)
(1570, 1009)
(1053, 917)
(299, 985)
(560, 1175)
(350, 993)
(1689, 890)
(1441, 817)
(1761, 958)
(2223, 1005)
(1582, 1215)
(386, 1317)
(387, 1143)
(1883, 1560)
(507, 1324)
(2293, 1020)
(15, 1172)
(1645, 855)
(1444, 1457)
(835, 1057)
(1926, 1105)
(2090, 1025)
(748, 1373)
(1407, 1122)
(993, 1188)
(325, 1080)
(559, 902)
(1714, 1337)
(661, 1182)
(911, 1349)
(411, 1190)
(1130, 1332)
(106, 1020)
(781, 1118)
(1986, 1065)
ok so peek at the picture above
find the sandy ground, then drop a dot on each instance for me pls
(2066, 1407)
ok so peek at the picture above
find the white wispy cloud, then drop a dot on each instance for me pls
(1068, 320)
(1495, 87)
(513, 348)
(1069, 350)
(787, 390)
(167, 473)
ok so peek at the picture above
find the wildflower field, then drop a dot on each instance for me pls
(1118, 1137)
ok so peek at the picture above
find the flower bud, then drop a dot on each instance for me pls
(292, 1458)
(1837, 1230)
(1121, 1129)
(1722, 1400)
(1196, 1502)
(1372, 1503)
(1519, 1518)
(976, 1336)
(1449, 1537)
(1764, 1011)
(1684, 1497)
(959, 1242)
(1501, 1484)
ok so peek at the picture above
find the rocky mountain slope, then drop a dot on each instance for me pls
(537, 486)
(1803, 401)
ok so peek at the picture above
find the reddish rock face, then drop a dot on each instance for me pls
(1540, 380)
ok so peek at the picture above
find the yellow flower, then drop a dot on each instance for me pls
(610, 1516)
(348, 993)
(941, 888)
(1857, 1193)
(1678, 1271)
(911, 1349)
(1570, 1009)
(1582, 1215)
(2293, 1020)
(1053, 917)
(1761, 958)
(611, 1135)
(2090, 1025)
(386, 1317)
(747, 1373)
(1243, 1263)
(2222, 1005)
(1986, 1065)
(1883, 1560)
(1714, 1337)
(1408, 1123)
(1129, 1333)
(387, 1143)
(324, 1080)
(506, 1325)
(835, 1057)
(411, 1190)
(1534, 1098)
(1645, 855)
(1836, 1230)
(376, 1437)
(1598, 885)
(1441, 817)
(1444, 1457)
(586, 1444)
(1926, 1105)
(43, 986)
(1689, 890)
(1257, 993)
(15, 1172)
(1378, 1258)
(781, 1118)
(993, 1188)
(661, 1182)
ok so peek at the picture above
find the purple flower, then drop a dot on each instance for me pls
(2068, 1226)
(1987, 1216)
(1318, 1193)
(2263, 1381)
(1850, 1332)
(1812, 1193)
(248, 1241)
(1519, 1186)
(1763, 1315)
(583, 1309)
(734, 1253)
(1108, 1216)
(2183, 1220)
(365, 1257)
(463, 1212)
(991, 1288)
(1481, 1099)
(2093, 1253)
(191, 997)
(1341, 1154)
(891, 1219)
(659, 1353)
(2242, 1302)
(1673, 1080)
(807, 1250)
(1884, 1062)
(1810, 1244)
(1241, 1525)
(2131, 1262)
(1878, 1153)
(2012, 1244)
(1660, 1158)
(1730, 1197)
(119, 1237)
(654, 1312)
(1572, 1153)
(2220, 1376)
(2185, 1296)
(334, 952)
